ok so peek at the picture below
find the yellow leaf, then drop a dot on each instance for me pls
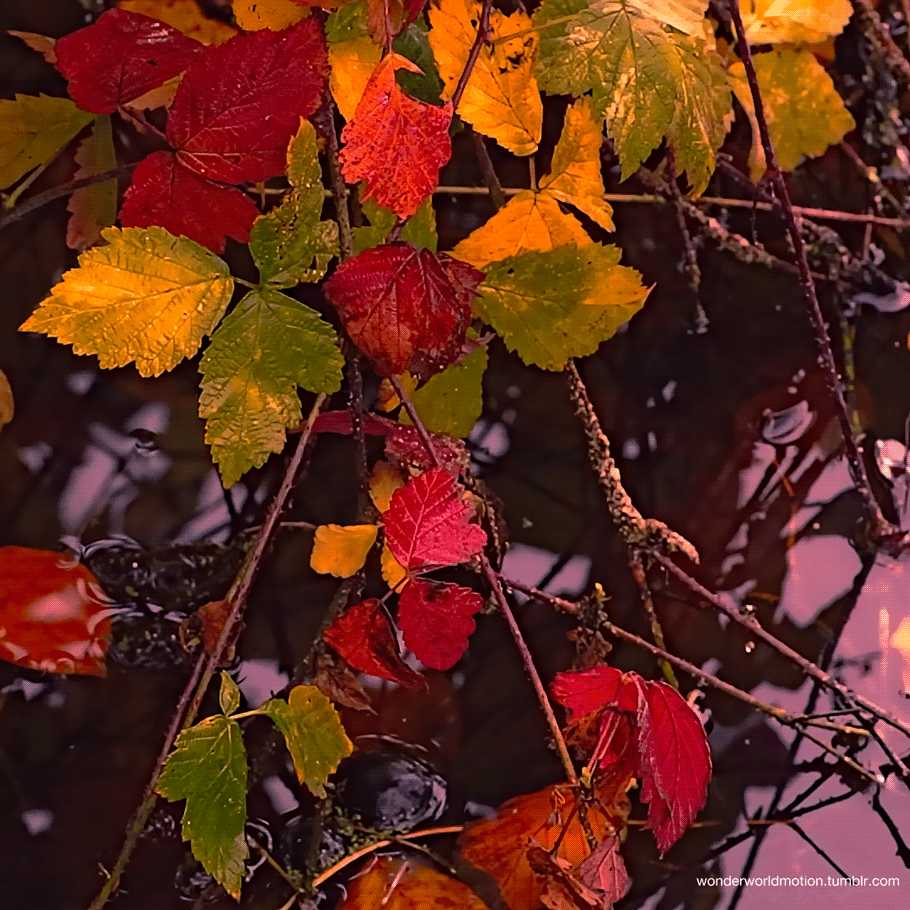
(33, 130)
(160, 96)
(341, 551)
(6, 401)
(393, 572)
(384, 481)
(804, 112)
(575, 171)
(530, 221)
(183, 15)
(253, 15)
(147, 297)
(501, 99)
(793, 21)
(93, 207)
(352, 63)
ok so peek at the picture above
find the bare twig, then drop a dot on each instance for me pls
(493, 186)
(324, 119)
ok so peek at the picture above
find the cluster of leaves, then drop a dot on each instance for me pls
(233, 114)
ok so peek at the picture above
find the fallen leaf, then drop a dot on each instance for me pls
(94, 207)
(341, 551)
(185, 16)
(395, 143)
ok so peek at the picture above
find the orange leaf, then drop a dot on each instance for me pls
(53, 616)
(395, 143)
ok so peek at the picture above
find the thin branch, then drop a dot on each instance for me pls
(638, 573)
(415, 419)
(493, 186)
(324, 118)
(482, 37)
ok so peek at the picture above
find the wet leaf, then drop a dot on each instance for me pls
(93, 207)
(274, 14)
(563, 303)
(364, 637)
(185, 16)
(53, 616)
(794, 21)
(238, 106)
(501, 99)
(804, 112)
(33, 130)
(208, 769)
(352, 62)
(147, 297)
(395, 143)
(315, 738)
(406, 309)
(341, 551)
(166, 193)
(436, 621)
(259, 354)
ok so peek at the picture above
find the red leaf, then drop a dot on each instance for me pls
(428, 523)
(237, 108)
(166, 193)
(591, 690)
(604, 871)
(395, 143)
(675, 763)
(53, 616)
(436, 621)
(120, 57)
(405, 308)
(364, 637)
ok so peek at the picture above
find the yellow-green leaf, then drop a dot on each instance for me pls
(554, 305)
(352, 63)
(341, 551)
(501, 99)
(228, 694)
(794, 21)
(33, 129)
(575, 175)
(529, 221)
(804, 112)
(312, 730)
(93, 208)
(147, 297)
(419, 229)
(208, 769)
(262, 351)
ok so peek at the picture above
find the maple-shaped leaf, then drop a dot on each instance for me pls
(395, 143)
(436, 621)
(341, 551)
(787, 21)
(315, 738)
(265, 348)
(33, 130)
(147, 297)
(429, 523)
(166, 193)
(575, 175)
(185, 16)
(94, 207)
(501, 99)
(53, 615)
(364, 637)
(285, 242)
(648, 78)
(252, 15)
(239, 105)
(406, 309)
(208, 769)
(803, 110)
(419, 229)
(121, 56)
(552, 306)
(352, 62)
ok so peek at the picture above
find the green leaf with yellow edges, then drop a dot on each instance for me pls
(562, 303)
(147, 298)
(262, 351)
(33, 129)
(312, 730)
(208, 769)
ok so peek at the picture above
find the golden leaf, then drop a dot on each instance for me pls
(341, 551)
(183, 15)
(793, 21)
(352, 63)
(253, 15)
(384, 481)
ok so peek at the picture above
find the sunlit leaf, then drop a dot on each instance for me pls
(341, 551)
(804, 112)
(94, 207)
(33, 130)
(53, 616)
(185, 16)
(315, 738)
(208, 769)
(794, 21)
(501, 99)
(274, 14)
(147, 297)
(559, 304)
(262, 351)
(352, 63)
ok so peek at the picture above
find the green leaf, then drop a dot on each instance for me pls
(260, 353)
(647, 78)
(451, 401)
(208, 769)
(350, 21)
(313, 733)
(285, 242)
(414, 43)
(420, 229)
(550, 306)
(33, 130)
(229, 695)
